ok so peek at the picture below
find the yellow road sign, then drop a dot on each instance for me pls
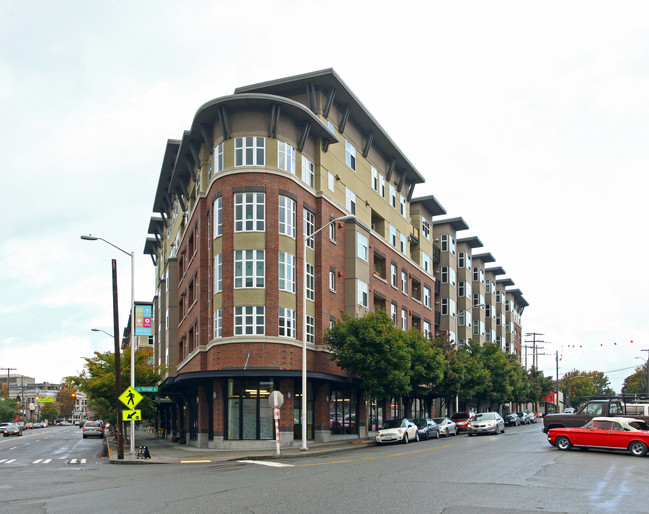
(130, 397)
(132, 415)
(45, 400)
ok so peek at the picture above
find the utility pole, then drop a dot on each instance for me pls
(8, 369)
(647, 350)
(556, 358)
(533, 341)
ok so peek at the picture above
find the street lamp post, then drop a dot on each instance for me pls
(304, 324)
(132, 256)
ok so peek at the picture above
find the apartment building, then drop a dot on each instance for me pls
(285, 205)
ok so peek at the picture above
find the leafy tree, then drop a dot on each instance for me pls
(67, 397)
(50, 411)
(637, 382)
(602, 383)
(521, 383)
(8, 409)
(427, 364)
(97, 380)
(499, 387)
(540, 385)
(373, 349)
(577, 385)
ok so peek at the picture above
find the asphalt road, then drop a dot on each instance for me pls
(513, 472)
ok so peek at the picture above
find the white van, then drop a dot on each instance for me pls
(637, 409)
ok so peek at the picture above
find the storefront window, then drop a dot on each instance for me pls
(249, 413)
(343, 412)
(396, 408)
(376, 415)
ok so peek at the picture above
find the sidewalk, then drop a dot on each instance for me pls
(164, 451)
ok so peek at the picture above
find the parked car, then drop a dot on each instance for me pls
(398, 430)
(532, 416)
(606, 433)
(3, 425)
(461, 420)
(93, 428)
(486, 423)
(29, 425)
(512, 420)
(427, 428)
(446, 426)
(524, 417)
(12, 429)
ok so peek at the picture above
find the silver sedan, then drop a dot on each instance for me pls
(446, 426)
(486, 423)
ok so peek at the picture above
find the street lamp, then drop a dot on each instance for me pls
(100, 330)
(132, 256)
(304, 385)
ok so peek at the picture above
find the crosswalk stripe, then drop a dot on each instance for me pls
(10, 461)
(47, 461)
(267, 463)
(2, 460)
(37, 461)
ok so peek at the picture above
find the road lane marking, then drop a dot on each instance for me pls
(267, 463)
(193, 461)
(77, 461)
(373, 458)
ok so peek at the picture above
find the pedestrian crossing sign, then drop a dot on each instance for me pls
(130, 397)
(132, 415)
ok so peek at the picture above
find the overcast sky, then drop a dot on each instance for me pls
(529, 120)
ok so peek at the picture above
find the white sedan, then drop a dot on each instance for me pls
(446, 426)
(398, 430)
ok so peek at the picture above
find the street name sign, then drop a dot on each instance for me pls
(146, 389)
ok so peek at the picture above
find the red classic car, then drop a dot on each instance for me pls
(607, 433)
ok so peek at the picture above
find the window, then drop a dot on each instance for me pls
(393, 196)
(286, 216)
(426, 296)
(393, 275)
(249, 320)
(426, 262)
(218, 217)
(330, 126)
(448, 275)
(309, 228)
(218, 158)
(404, 244)
(310, 282)
(448, 243)
(308, 172)
(393, 313)
(332, 232)
(249, 212)
(362, 294)
(460, 259)
(332, 280)
(402, 203)
(363, 247)
(310, 329)
(375, 179)
(382, 186)
(331, 181)
(248, 413)
(249, 268)
(404, 319)
(350, 200)
(249, 151)
(285, 157)
(286, 323)
(350, 155)
(448, 307)
(404, 282)
(425, 228)
(218, 273)
(478, 300)
(393, 236)
(427, 332)
(286, 272)
(218, 323)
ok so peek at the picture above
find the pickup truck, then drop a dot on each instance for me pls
(587, 412)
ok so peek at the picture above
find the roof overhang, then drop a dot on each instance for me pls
(473, 241)
(431, 204)
(457, 223)
(484, 257)
(496, 270)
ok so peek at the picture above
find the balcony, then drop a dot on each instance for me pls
(414, 233)
(437, 254)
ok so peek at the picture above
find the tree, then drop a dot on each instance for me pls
(8, 409)
(427, 364)
(50, 411)
(97, 380)
(499, 387)
(539, 385)
(577, 385)
(373, 349)
(637, 382)
(67, 398)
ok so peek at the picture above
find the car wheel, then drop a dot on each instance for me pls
(417, 437)
(437, 435)
(469, 434)
(563, 443)
(638, 448)
(405, 438)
